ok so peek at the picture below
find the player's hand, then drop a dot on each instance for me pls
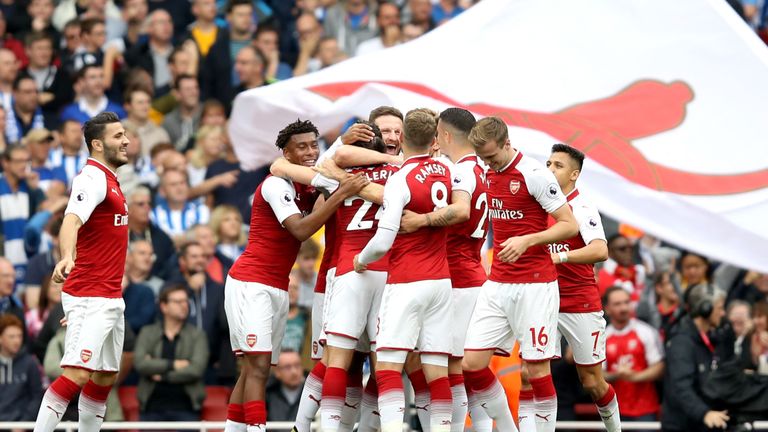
(352, 185)
(357, 132)
(555, 258)
(716, 419)
(33, 179)
(180, 364)
(62, 270)
(411, 222)
(63, 322)
(329, 169)
(513, 248)
(276, 169)
(359, 267)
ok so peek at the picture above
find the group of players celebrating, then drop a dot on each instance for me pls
(406, 203)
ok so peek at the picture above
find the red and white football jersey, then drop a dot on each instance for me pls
(520, 196)
(102, 241)
(358, 221)
(466, 239)
(578, 285)
(637, 345)
(272, 249)
(422, 185)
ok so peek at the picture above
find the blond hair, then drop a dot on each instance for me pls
(489, 129)
(419, 128)
(217, 217)
(197, 157)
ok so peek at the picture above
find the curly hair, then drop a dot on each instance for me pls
(295, 128)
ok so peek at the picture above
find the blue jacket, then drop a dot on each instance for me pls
(21, 388)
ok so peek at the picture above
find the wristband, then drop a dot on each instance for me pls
(563, 257)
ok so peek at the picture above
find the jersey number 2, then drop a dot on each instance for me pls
(357, 222)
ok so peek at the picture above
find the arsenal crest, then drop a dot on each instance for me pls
(514, 186)
(85, 355)
(250, 340)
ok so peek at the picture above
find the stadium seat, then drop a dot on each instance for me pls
(216, 403)
(129, 402)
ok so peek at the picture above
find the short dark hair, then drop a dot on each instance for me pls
(180, 78)
(21, 77)
(63, 125)
(185, 247)
(167, 290)
(87, 25)
(375, 144)
(265, 28)
(459, 119)
(74, 22)
(295, 128)
(176, 51)
(94, 128)
(384, 111)
(36, 36)
(615, 237)
(574, 153)
(84, 70)
(12, 148)
(609, 291)
(128, 95)
(231, 4)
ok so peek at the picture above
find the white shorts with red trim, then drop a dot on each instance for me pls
(94, 333)
(256, 314)
(319, 315)
(464, 300)
(353, 310)
(509, 312)
(585, 333)
(416, 315)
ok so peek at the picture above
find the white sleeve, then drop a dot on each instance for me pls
(543, 186)
(463, 178)
(89, 188)
(654, 349)
(590, 225)
(322, 182)
(396, 196)
(280, 194)
(330, 151)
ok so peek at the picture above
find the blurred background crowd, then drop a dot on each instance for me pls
(171, 69)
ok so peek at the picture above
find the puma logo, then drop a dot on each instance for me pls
(464, 404)
(540, 350)
(316, 400)
(483, 405)
(544, 417)
(351, 406)
(376, 413)
(58, 414)
(445, 423)
(606, 417)
(425, 407)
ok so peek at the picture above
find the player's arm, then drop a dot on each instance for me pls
(372, 192)
(298, 173)
(350, 156)
(456, 212)
(89, 189)
(396, 196)
(302, 228)
(592, 233)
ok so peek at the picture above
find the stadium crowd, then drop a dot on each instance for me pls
(171, 70)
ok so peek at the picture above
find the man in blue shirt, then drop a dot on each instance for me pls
(92, 100)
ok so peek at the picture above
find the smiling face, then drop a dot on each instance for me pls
(302, 149)
(392, 132)
(495, 156)
(115, 145)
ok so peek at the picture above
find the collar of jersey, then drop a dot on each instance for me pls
(513, 162)
(425, 155)
(467, 156)
(574, 193)
(107, 168)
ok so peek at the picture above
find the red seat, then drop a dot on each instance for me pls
(216, 403)
(129, 402)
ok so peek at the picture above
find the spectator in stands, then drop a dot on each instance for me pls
(3, 139)
(71, 35)
(661, 307)
(218, 76)
(72, 155)
(137, 105)
(388, 23)
(9, 304)
(445, 10)
(7, 41)
(695, 270)
(70, 9)
(216, 265)
(182, 123)
(53, 84)
(411, 32)
(250, 68)
(138, 297)
(227, 226)
(182, 61)
(126, 31)
(141, 227)
(305, 264)
(9, 69)
(310, 32)
(754, 352)
(37, 19)
(739, 314)
(92, 99)
(620, 268)
(93, 35)
(752, 288)
(153, 54)
(171, 356)
(284, 390)
(138, 267)
(176, 213)
(25, 113)
(634, 358)
(20, 382)
(690, 358)
(298, 321)
(267, 41)
(41, 265)
(20, 198)
(350, 22)
(210, 146)
(421, 14)
(48, 298)
(53, 181)
(203, 31)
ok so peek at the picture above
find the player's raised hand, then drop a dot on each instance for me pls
(352, 185)
(357, 132)
(62, 269)
(359, 267)
(329, 169)
(513, 248)
(411, 222)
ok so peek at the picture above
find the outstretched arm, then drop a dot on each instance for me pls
(456, 212)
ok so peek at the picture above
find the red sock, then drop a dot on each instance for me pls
(371, 387)
(543, 388)
(479, 380)
(65, 388)
(455, 379)
(335, 383)
(607, 397)
(96, 392)
(441, 404)
(236, 413)
(418, 381)
(526, 395)
(255, 412)
(318, 371)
